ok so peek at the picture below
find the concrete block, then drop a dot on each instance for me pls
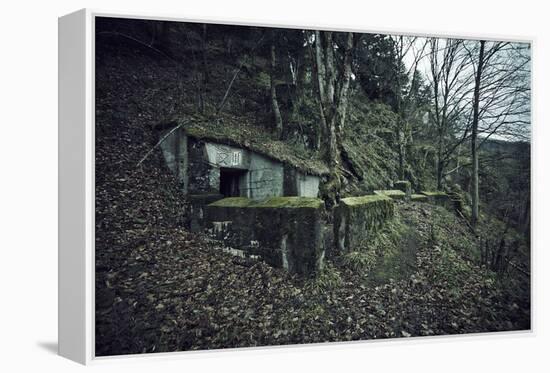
(393, 194)
(356, 219)
(286, 232)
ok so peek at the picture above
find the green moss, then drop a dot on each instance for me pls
(329, 279)
(419, 198)
(360, 261)
(395, 194)
(357, 218)
(232, 202)
(355, 201)
(433, 194)
(274, 202)
(292, 202)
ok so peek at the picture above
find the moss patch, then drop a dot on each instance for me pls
(275, 202)
(357, 218)
(354, 201)
(433, 194)
(394, 194)
(232, 202)
(419, 198)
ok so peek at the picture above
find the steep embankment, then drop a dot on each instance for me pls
(160, 288)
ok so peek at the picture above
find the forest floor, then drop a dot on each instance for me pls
(161, 288)
(170, 290)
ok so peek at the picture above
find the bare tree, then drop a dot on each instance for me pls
(475, 125)
(450, 78)
(405, 48)
(501, 102)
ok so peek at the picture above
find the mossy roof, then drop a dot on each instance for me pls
(251, 137)
(371, 198)
(274, 202)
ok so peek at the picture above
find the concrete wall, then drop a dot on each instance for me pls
(298, 184)
(286, 232)
(195, 213)
(202, 179)
(392, 193)
(356, 219)
(308, 185)
(265, 177)
(227, 156)
(219, 155)
(174, 150)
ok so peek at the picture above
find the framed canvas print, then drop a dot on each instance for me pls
(236, 185)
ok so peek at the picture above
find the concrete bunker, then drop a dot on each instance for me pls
(264, 203)
(208, 165)
(293, 232)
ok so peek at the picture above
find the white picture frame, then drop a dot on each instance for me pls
(77, 178)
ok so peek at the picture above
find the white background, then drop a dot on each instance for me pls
(28, 185)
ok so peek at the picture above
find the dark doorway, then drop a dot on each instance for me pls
(229, 181)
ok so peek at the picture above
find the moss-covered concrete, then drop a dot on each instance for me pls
(361, 200)
(174, 151)
(284, 231)
(434, 193)
(274, 202)
(392, 193)
(356, 219)
(419, 198)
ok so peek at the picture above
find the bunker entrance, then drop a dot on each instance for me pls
(230, 181)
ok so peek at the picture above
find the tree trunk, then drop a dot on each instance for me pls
(475, 123)
(274, 102)
(439, 175)
(440, 167)
(333, 101)
(401, 150)
(342, 103)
